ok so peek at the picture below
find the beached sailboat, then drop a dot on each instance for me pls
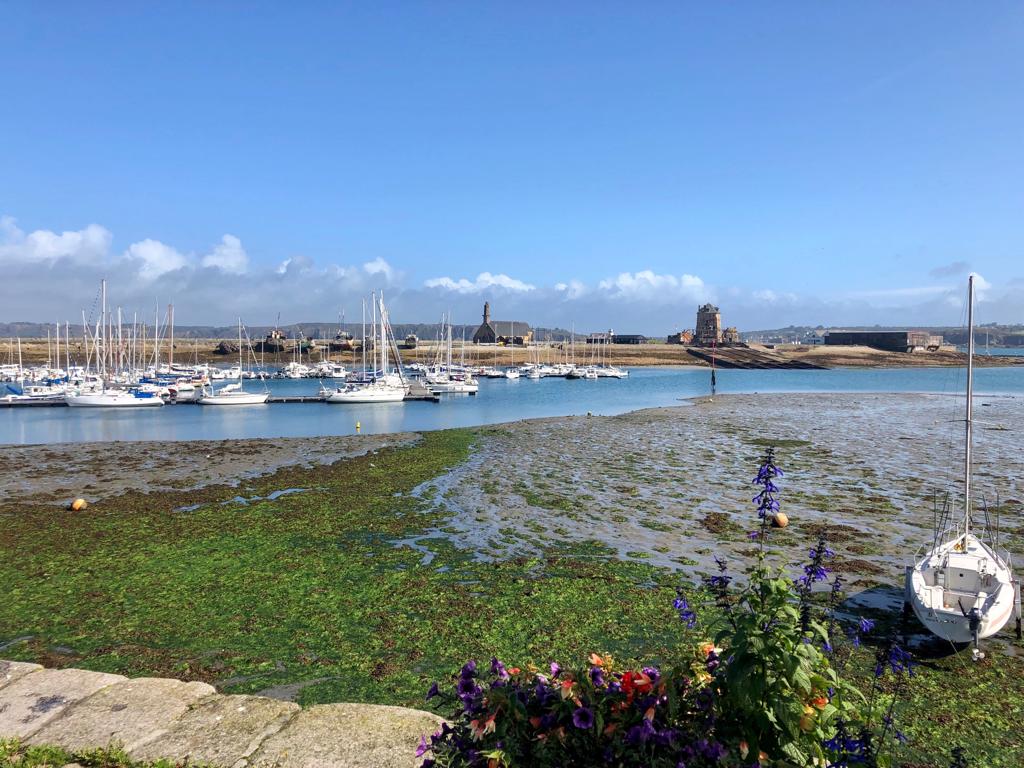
(962, 589)
(234, 393)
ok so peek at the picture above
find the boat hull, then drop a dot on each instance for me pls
(237, 398)
(112, 400)
(367, 395)
(943, 609)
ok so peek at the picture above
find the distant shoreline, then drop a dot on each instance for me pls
(187, 351)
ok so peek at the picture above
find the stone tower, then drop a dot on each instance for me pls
(487, 312)
(709, 326)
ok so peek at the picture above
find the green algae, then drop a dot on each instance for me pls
(312, 587)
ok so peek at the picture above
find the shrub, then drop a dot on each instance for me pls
(763, 688)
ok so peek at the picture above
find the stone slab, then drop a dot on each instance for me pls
(348, 736)
(223, 730)
(129, 713)
(33, 700)
(12, 670)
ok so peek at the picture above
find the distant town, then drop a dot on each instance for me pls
(708, 330)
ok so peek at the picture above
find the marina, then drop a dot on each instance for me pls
(295, 409)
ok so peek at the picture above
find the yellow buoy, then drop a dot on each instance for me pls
(358, 426)
(780, 520)
(79, 504)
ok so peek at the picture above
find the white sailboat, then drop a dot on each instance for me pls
(108, 398)
(234, 394)
(962, 589)
(385, 386)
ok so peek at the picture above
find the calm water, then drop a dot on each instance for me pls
(499, 400)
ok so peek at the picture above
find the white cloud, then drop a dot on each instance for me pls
(380, 267)
(981, 286)
(85, 246)
(768, 296)
(156, 257)
(647, 285)
(573, 289)
(228, 256)
(483, 282)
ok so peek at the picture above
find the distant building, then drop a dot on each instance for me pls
(616, 338)
(501, 331)
(683, 337)
(709, 326)
(814, 338)
(629, 338)
(730, 336)
(890, 341)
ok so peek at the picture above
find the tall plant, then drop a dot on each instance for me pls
(767, 690)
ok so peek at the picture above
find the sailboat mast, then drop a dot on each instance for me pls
(170, 318)
(970, 405)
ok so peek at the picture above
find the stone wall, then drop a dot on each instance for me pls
(154, 718)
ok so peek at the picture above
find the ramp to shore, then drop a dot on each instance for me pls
(745, 357)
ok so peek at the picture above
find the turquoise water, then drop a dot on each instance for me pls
(499, 400)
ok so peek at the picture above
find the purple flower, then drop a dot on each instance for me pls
(497, 668)
(686, 615)
(555, 669)
(583, 718)
(597, 676)
(423, 747)
(434, 691)
(468, 670)
(866, 625)
(639, 734)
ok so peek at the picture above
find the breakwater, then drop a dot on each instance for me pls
(159, 718)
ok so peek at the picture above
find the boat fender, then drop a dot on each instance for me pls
(780, 520)
(78, 505)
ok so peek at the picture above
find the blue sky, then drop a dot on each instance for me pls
(597, 163)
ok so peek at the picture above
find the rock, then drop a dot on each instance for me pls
(12, 670)
(33, 700)
(348, 736)
(780, 520)
(219, 731)
(132, 713)
(226, 348)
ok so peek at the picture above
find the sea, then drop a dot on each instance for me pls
(499, 400)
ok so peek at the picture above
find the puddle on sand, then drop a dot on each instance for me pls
(245, 501)
(413, 542)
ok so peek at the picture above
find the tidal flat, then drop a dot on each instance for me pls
(390, 561)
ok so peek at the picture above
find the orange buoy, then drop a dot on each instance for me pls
(78, 505)
(780, 520)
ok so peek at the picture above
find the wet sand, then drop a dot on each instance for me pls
(673, 486)
(668, 486)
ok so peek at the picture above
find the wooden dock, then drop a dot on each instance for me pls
(416, 392)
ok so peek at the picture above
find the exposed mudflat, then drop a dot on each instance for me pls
(58, 473)
(670, 487)
(673, 486)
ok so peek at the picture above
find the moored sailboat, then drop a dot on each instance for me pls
(234, 393)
